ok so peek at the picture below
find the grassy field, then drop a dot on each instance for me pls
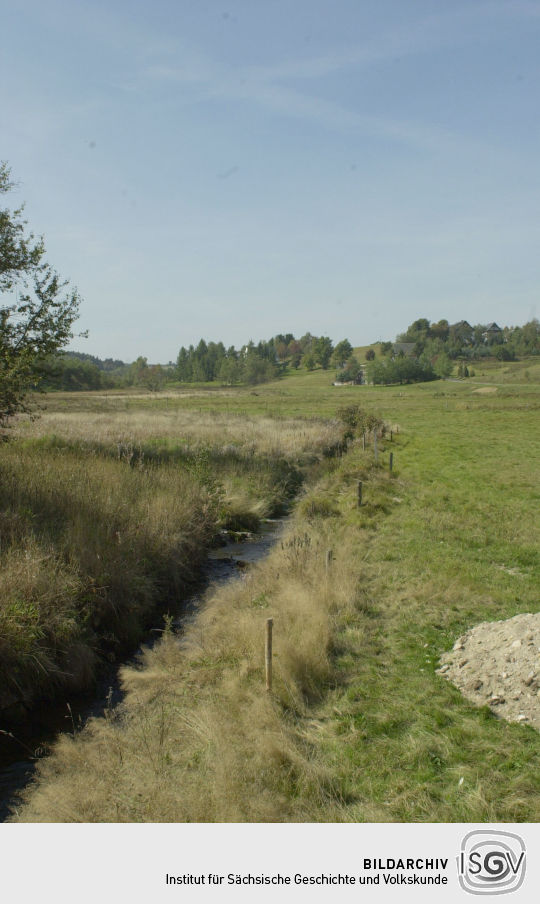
(360, 727)
(106, 515)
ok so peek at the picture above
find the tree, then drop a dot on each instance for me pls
(370, 354)
(322, 350)
(37, 323)
(153, 377)
(443, 366)
(342, 353)
(350, 371)
(295, 353)
(137, 370)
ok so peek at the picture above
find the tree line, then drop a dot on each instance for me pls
(461, 340)
(255, 362)
(435, 347)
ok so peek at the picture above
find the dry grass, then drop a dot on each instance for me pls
(292, 438)
(360, 727)
(198, 738)
(89, 546)
(104, 514)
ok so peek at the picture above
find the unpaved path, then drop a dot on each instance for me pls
(498, 664)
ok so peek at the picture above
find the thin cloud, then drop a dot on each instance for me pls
(266, 86)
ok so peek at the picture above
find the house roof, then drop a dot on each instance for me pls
(461, 325)
(492, 328)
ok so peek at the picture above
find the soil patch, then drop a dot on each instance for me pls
(498, 664)
(485, 390)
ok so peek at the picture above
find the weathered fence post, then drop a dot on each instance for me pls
(375, 449)
(269, 624)
(329, 557)
(391, 460)
(391, 438)
(363, 442)
(359, 493)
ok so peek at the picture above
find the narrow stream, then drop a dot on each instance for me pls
(21, 748)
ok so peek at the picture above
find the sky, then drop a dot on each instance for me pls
(232, 170)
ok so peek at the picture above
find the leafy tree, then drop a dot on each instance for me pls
(257, 369)
(322, 350)
(230, 370)
(137, 370)
(350, 371)
(37, 323)
(503, 353)
(440, 330)
(443, 365)
(306, 342)
(153, 377)
(183, 366)
(370, 354)
(309, 361)
(342, 353)
(67, 373)
(295, 353)
(400, 370)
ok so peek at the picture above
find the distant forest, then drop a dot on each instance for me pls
(425, 351)
(205, 363)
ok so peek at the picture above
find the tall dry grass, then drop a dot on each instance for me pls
(197, 737)
(89, 546)
(173, 427)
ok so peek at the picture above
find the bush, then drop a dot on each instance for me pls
(400, 370)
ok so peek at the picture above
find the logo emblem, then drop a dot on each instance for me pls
(491, 862)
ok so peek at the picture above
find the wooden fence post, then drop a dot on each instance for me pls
(329, 557)
(391, 460)
(359, 493)
(269, 624)
(375, 449)
(363, 442)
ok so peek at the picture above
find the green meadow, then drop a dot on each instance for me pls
(359, 726)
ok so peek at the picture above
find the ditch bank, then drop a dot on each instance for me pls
(23, 745)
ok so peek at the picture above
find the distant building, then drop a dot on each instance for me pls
(463, 332)
(492, 333)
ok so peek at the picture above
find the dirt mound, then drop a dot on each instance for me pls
(498, 664)
(485, 390)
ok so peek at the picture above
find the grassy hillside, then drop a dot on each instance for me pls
(360, 727)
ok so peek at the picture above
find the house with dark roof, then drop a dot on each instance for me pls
(462, 331)
(492, 333)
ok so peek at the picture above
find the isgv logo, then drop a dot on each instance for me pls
(491, 862)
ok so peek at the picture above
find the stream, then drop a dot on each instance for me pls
(26, 744)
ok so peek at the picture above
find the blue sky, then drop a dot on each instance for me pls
(236, 169)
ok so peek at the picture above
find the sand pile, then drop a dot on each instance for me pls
(498, 664)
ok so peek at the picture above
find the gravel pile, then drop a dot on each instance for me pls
(498, 664)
